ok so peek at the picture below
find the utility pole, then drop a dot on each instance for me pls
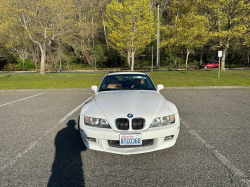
(95, 63)
(152, 58)
(158, 37)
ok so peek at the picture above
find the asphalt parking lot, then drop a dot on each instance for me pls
(40, 144)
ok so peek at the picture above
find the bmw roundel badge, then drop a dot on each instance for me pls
(130, 115)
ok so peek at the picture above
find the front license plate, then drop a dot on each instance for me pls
(130, 139)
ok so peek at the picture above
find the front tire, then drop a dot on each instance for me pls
(205, 67)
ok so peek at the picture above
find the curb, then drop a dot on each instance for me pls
(88, 89)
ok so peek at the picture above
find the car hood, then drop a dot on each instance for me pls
(142, 104)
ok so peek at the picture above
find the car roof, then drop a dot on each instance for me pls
(127, 73)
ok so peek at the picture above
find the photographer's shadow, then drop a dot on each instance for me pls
(67, 169)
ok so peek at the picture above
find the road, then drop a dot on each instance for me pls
(40, 143)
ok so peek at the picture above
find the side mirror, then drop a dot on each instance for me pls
(159, 87)
(94, 88)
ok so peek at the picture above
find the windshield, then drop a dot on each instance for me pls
(127, 82)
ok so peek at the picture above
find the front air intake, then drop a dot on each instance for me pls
(138, 123)
(122, 124)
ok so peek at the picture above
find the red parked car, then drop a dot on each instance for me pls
(210, 65)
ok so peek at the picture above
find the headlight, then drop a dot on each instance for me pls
(96, 122)
(166, 120)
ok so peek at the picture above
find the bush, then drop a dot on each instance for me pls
(169, 57)
(76, 64)
(98, 54)
(237, 66)
(26, 65)
(9, 67)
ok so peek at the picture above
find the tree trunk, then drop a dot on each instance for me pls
(133, 50)
(133, 60)
(87, 54)
(201, 56)
(224, 54)
(67, 64)
(43, 60)
(188, 52)
(129, 58)
(104, 26)
(21, 54)
(23, 63)
(223, 58)
(132, 56)
(43, 53)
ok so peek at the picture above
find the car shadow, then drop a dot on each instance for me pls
(67, 169)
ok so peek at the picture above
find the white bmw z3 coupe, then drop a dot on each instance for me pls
(128, 115)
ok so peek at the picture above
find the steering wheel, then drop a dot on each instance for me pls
(140, 86)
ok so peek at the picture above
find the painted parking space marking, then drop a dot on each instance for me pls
(21, 99)
(35, 143)
(235, 171)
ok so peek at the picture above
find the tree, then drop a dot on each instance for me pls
(84, 29)
(102, 5)
(188, 27)
(229, 20)
(130, 26)
(42, 20)
(4, 20)
(17, 41)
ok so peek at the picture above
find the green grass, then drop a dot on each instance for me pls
(201, 78)
(85, 80)
(50, 81)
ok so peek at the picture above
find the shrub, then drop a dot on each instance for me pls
(26, 65)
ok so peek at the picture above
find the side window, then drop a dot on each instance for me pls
(105, 83)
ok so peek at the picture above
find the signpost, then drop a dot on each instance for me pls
(219, 55)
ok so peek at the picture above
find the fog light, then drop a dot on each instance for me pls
(91, 139)
(169, 137)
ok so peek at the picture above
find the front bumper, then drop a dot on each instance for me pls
(157, 134)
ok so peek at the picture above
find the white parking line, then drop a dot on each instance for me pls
(21, 99)
(219, 156)
(33, 144)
